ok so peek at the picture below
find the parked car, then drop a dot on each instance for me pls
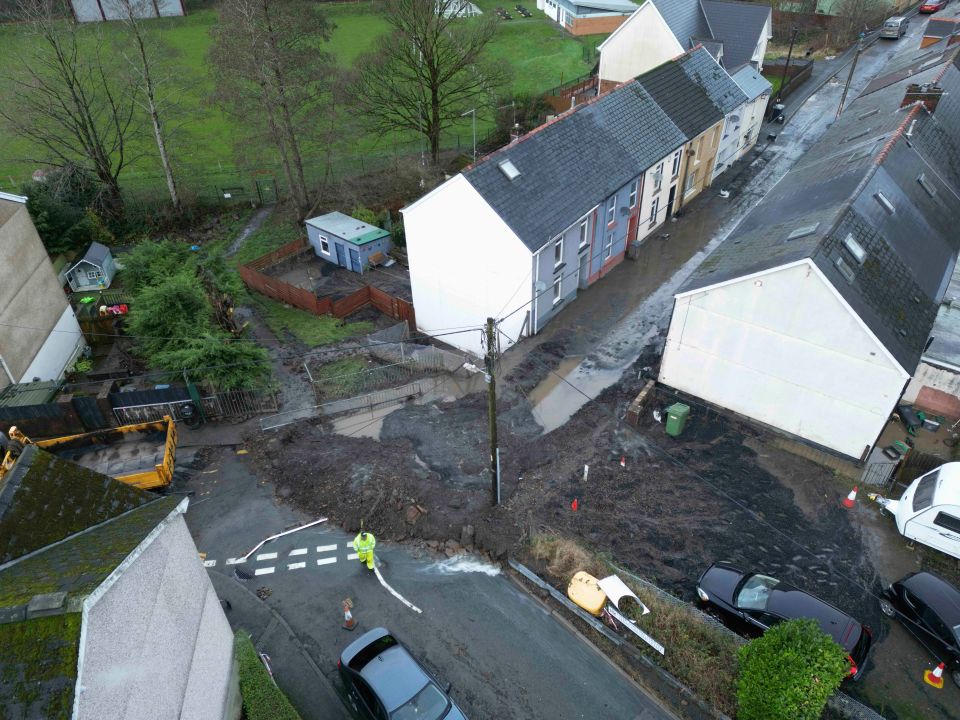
(894, 27)
(763, 601)
(929, 607)
(385, 682)
(932, 6)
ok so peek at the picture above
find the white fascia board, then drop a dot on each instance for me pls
(612, 35)
(740, 278)
(435, 191)
(836, 293)
(92, 598)
(935, 362)
(22, 199)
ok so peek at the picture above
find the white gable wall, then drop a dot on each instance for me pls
(783, 348)
(466, 264)
(641, 43)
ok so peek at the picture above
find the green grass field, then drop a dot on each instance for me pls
(539, 53)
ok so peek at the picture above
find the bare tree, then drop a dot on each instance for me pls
(68, 102)
(429, 71)
(270, 72)
(143, 63)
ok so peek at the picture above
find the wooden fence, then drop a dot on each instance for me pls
(254, 278)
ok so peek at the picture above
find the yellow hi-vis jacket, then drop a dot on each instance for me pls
(364, 546)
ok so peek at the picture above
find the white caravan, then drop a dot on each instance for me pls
(929, 510)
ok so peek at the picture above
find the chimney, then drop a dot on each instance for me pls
(929, 95)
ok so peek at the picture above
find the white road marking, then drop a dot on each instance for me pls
(326, 548)
(393, 592)
(353, 556)
(263, 571)
(266, 556)
(209, 563)
(296, 566)
(298, 551)
(235, 561)
(326, 561)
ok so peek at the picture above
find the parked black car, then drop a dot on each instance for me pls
(763, 601)
(385, 682)
(929, 607)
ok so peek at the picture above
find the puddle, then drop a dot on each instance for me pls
(463, 564)
(568, 389)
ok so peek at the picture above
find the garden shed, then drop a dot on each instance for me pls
(94, 271)
(348, 242)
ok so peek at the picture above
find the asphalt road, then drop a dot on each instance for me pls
(504, 653)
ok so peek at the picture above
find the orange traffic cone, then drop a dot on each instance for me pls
(850, 499)
(348, 622)
(575, 505)
(623, 461)
(934, 677)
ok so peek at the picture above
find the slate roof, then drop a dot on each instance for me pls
(700, 66)
(683, 100)
(686, 19)
(832, 192)
(751, 82)
(739, 25)
(63, 531)
(736, 25)
(575, 162)
(941, 27)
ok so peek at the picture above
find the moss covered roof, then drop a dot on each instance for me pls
(44, 499)
(38, 667)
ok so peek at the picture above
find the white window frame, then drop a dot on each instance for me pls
(654, 210)
(558, 251)
(676, 163)
(634, 193)
(324, 244)
(93, 274)
(690, 183)
(558, 290)
(612, 210)
(584, 233)
(658, 178)
(608, 247)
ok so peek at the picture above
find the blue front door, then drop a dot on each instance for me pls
(355, 260)
(341, 258)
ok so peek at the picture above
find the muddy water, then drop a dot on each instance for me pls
(568, 388)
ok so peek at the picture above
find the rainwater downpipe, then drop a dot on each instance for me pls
(6, 371)
(536, 290)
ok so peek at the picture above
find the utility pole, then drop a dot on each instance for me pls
(783, 78)
(853, 66)
(473, 112)
(492, 412)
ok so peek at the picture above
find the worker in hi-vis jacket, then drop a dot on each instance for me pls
(364, 543)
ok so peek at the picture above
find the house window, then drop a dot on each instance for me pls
(654, 209)
(947, 521)
(634, 191)
(558, 251)
(324, 245)
(611, 210)
(584, 232)
(676, 163)
(691, 183)
(557, 286)
(93, 274)
(658, 177)
(608, 246)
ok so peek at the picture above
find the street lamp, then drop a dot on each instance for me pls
(473, 112)
(783, 79)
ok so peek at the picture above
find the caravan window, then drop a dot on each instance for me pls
(947, 521)
(923, 496)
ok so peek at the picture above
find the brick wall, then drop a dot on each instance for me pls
(597, 25)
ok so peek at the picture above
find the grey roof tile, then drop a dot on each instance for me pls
(96, 253)
(573, 163)
(910, 253)
(751, 82)
(700, 66)
(739, 26)
(683, 100)
(686, 19)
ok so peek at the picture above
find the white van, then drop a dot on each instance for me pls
(929, 510)
(894, 27)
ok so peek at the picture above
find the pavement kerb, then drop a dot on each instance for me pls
(226, 586)
(682, 701)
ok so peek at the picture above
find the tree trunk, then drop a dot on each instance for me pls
(434, 128)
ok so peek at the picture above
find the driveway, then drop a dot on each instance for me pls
(504, 653)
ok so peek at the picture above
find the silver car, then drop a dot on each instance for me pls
(894, 27)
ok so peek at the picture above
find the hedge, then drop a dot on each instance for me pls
(262, 699)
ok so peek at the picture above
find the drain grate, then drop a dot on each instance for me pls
(242, 574)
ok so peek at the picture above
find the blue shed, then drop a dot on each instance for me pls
(348, 242)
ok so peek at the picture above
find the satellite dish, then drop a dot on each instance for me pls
(539, 286)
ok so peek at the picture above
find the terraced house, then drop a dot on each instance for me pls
(105, 608)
